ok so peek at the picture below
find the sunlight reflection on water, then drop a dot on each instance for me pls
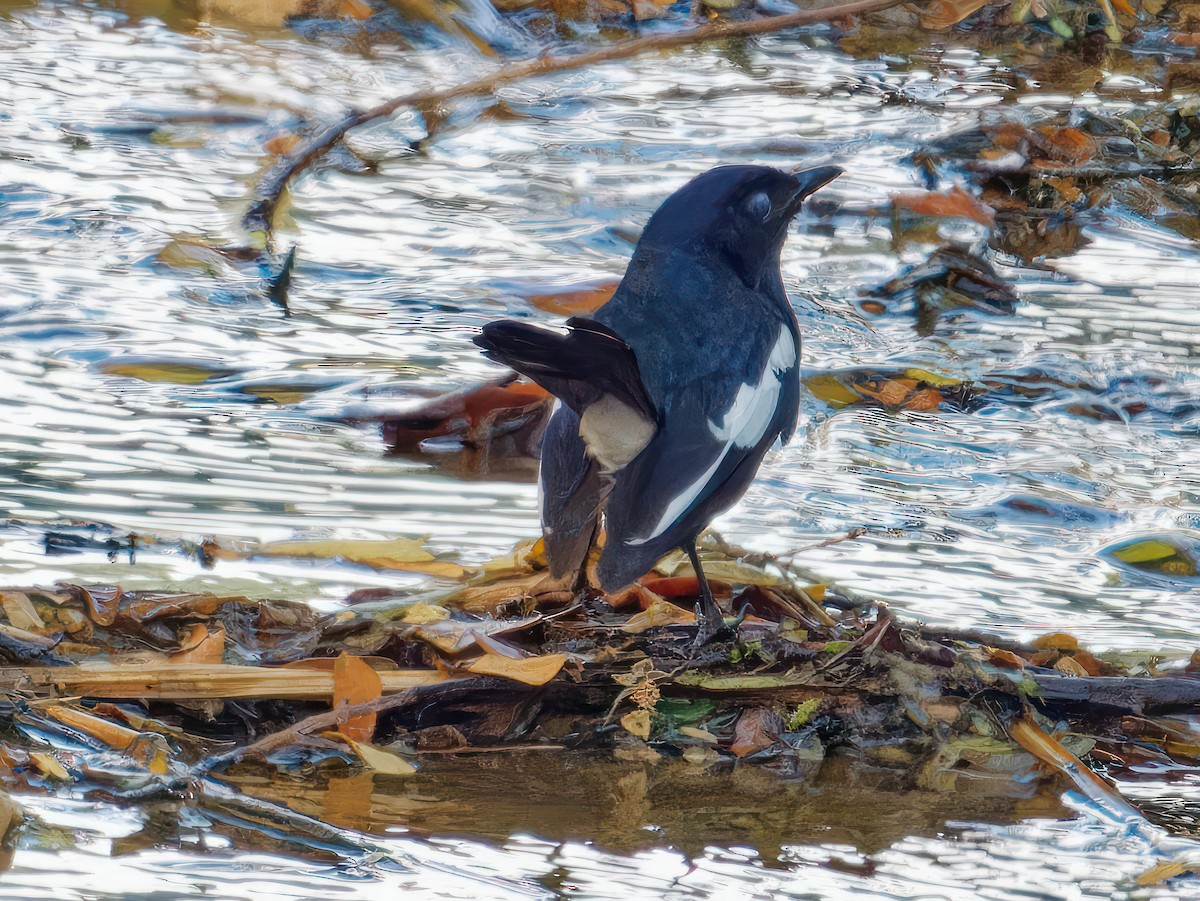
(396, 270)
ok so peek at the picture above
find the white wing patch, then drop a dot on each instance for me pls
(743, 425)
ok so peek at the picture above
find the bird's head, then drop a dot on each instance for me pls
(737, 214)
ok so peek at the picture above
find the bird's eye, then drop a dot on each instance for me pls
(759, 205)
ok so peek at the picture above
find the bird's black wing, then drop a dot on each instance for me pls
(571, 489)
(703, 457)
(580, 364)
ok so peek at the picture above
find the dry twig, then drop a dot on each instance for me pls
(260, 218)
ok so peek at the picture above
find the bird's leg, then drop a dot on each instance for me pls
(708, 615)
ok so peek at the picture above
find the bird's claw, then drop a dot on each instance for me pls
(711, 624)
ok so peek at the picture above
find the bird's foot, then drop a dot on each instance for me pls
(711, 624)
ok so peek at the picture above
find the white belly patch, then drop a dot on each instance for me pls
(743, 425)
(614, 433)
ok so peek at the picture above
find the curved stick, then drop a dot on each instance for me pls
(261, 215)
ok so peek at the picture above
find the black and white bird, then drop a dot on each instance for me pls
(672, 393)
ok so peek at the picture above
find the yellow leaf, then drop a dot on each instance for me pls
(21, 612)
(932, 378)
(1069, 666)
(160, 371)
(700, 756)
(828, 388)
(529, 670)
(1167, 869)
(637, 723)
(699, 734)
(1139, 552)
(49, 765)
(659, 613)
(380, 760)
(391, 553)
(419, 614)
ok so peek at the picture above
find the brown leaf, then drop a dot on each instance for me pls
(942, 14)
(151, 751)
(475, 415)
(1057, 641)
(955, 203)
(757, 728)
(282, 144)
(1006, 659)
(101, 602)
(529, 670)
(355, 683)
(405, 554)
(1067, 145)
(1069, 666)
(658, 614)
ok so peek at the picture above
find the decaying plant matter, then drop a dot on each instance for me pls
(151, 695)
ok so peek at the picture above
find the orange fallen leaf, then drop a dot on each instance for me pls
(1067, 145)
(355, 9)
(355, 683)
(574, 301)
(201, 646)
(942, 14)
(1124, 6)
(475, 415)
(1057, 641)
(685, 587)
(956, 203)
(1007, 659)
(634, 595)
(529, 670)
(150, 750)
(1066, 187)
(282, 144)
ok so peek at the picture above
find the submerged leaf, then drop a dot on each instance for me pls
(577, 300)
(408, 554)
(956, 203)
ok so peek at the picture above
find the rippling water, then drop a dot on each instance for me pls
(127, 125)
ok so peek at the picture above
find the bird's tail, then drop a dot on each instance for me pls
(578, 364)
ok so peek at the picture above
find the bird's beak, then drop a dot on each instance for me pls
(809, 181)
